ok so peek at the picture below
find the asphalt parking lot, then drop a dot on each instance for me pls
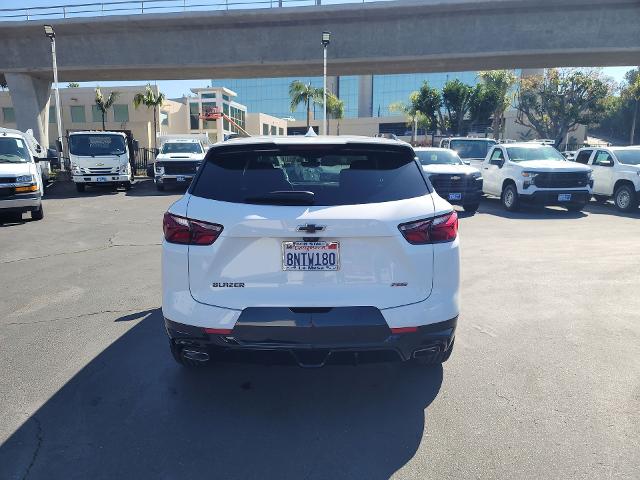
(544, 381)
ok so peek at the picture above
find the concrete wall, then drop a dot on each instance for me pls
(256, 123)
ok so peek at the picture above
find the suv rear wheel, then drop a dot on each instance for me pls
(625, 198)
(37, 214)
(80, 187)
(510, 200)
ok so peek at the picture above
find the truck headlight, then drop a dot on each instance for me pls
(529, 179)
(529, 174)
(24, 179)
(476, 175)
(124, 168)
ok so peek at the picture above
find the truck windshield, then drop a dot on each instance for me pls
(471, 148)
(628, 157)
(13, 150)
(96, 145)
(190, 147)
(438, 157)
(523, 154)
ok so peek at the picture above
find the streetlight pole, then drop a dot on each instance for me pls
(326, 39)
(48, 31)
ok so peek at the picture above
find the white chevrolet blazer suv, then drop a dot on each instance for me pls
(320, 249)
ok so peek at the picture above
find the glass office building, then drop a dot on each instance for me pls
(271, 95)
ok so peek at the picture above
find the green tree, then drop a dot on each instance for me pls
(633, 92)
(413, 115)
(150, 100)
(335, 110)
(483, 104)
(554, 103)
(105, 104)
(456, 99)
(301, 93)
(429, 103)
(500, 85)
(73, 85)
(3, 84)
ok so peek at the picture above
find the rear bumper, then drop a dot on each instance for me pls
(550, 197)
(346, 334)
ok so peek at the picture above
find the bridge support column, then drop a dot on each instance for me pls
(30, 96)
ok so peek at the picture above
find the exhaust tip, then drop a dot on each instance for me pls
(425, 352)
(195, 355)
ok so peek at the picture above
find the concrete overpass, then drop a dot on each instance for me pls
(385, 37)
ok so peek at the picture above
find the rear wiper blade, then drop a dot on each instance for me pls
(284, 197)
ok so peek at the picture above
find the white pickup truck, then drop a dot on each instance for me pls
(616, 174)
(100, 158)
(178, 162)
(535, 173)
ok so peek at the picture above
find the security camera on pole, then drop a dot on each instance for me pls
(48, 31)
(326, 39)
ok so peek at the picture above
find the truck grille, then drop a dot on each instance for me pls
(180, 168)
(447, 183)
(99, 170)
(562, 180)
(7, 179)
(5, 192)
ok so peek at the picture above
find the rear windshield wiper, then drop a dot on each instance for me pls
(284, 197)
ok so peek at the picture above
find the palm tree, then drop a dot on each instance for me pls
(500, 83)
(150, 100)
(105, 104)
(305, 94)
(410, 110)
(335, 109)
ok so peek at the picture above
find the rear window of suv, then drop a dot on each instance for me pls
(310, 175)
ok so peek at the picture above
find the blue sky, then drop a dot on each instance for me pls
(175, 88)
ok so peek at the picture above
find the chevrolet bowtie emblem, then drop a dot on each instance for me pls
(311, 228)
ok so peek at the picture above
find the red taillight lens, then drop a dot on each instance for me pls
(404, 330)
(218, 331)
(189, 232)
(434, 230)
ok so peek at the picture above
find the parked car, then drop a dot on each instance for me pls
(471, 150)
(40, 154)
(454, 181)
(535, 173)
(280, 234)
(21, 185)
(616, 174)
(100, 158)
(178, 162)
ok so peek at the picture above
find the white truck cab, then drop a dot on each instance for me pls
(21, 185)
(178, 161)
(471, 150)
(535, 173)
(616, 174)
(100, 158)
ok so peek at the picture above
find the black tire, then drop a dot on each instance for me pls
(436, 359)
(600, 198)
(471, 207)
(576, 207)
(176, 353)
(150, 172)
(159, 187)
(127, 186)
(37, 214)
(80, 187)
(625, 198)
(509, 198)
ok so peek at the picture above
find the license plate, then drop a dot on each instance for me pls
(455, 196)
(310, 256)
(101, 179)
(564, 197)
(181, 179)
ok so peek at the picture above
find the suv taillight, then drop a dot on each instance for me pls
(443, 228)
(187, 231)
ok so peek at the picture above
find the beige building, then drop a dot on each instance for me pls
(79, 112)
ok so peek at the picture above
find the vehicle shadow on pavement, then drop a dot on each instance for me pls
(132, 412)
(492, 206)
(610, 209)
(146, 187)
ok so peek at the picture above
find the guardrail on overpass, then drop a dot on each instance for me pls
(141, 7)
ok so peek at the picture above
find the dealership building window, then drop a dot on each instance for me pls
(273, 130)
(78, 114)
(121, 113)
(194, 116)
(8, 114)
(280, 131)
(96, 114)
(265, 129)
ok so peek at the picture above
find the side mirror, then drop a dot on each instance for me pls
(606, 163)
(497, 163)
(467, 162)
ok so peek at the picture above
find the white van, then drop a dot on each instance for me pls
(100, 158)
(20, 179)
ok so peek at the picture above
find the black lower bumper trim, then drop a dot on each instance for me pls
(313, 339)
(543, 197)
